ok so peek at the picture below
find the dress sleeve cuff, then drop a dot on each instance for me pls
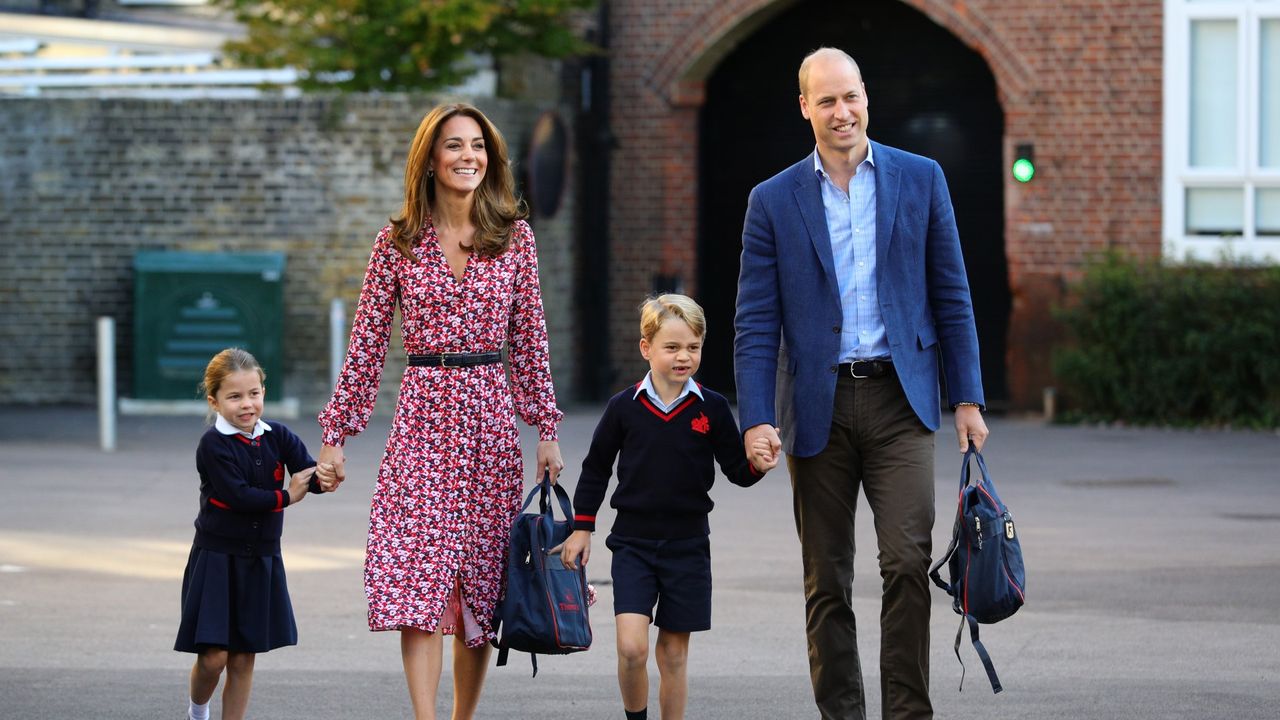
(547, 432)
(334, 436)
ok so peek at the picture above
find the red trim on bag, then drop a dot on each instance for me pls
(994, 504)
(1009, 577)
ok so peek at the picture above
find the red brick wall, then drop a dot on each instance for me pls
(1079, 78)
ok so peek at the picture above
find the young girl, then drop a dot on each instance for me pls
(234, 599)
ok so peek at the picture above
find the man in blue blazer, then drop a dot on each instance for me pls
(852, 288)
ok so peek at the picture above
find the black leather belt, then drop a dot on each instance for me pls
(862, 369)
(456, 359)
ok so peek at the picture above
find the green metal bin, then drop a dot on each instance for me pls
(188, 306)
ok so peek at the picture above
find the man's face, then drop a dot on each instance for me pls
(835, 103)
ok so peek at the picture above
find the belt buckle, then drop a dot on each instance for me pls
(444, 360)
(854, 373)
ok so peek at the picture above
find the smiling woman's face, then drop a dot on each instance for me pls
(459, 158)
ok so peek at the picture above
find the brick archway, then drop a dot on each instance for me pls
(694, 54)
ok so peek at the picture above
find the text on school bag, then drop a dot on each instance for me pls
(545, 608)
(988, 580)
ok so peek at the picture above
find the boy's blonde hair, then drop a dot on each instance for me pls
(654, 311)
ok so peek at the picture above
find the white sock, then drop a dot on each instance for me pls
(197, 712)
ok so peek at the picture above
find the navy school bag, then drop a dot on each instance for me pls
(545, 608)
(988, 581)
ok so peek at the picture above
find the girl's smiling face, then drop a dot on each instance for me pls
(239, 399)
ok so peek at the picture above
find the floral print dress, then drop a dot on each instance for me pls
(450, 481)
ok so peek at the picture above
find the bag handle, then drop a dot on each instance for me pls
(982, 466)
(543, 490)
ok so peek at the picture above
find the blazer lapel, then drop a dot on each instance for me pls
(808, 194)
(887, 178)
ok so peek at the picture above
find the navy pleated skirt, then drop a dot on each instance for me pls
(234, 602)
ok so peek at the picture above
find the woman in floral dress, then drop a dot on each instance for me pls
(461, 263)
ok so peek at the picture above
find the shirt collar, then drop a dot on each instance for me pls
(226, 428)
(817, 159)
(647, 385)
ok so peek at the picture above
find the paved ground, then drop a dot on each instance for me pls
(1153, 555)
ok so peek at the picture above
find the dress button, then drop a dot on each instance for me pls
(257, 461)
(256, 524)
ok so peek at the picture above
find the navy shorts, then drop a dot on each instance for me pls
(675, 575)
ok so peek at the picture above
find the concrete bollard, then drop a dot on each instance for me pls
(107, 383)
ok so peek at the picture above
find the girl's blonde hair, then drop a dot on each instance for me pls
(654, 311)
(226, 362)
(495, 208)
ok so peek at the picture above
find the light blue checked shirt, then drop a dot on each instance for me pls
(647, 386)
(851, 223)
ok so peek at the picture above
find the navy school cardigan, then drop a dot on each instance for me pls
(244, 489)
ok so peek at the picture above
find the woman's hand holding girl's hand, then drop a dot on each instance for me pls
(549, 460)
(331, 467)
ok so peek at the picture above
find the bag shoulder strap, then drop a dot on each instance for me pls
(934, 573)
(979, 648)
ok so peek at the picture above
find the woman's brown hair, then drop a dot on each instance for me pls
(495, 208)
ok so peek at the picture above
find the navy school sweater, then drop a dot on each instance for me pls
(665, 464)
(243, 489)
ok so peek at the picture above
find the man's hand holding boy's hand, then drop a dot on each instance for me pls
(762, 456)
(578, 543)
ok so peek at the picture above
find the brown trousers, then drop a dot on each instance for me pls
(877, 443)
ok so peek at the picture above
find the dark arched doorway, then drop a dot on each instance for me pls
(928, 93)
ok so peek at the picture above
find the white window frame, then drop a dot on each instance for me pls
(1248, 175)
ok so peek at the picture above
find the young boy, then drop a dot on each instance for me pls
(667, 429)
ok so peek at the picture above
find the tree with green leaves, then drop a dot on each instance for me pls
(360, 45)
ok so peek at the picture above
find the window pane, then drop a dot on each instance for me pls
(1269, 122)
(1213, 93)
(1215, 211)
(1268, 211)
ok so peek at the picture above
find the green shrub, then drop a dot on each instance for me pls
(1190, 344)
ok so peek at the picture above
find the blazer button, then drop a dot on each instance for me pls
(836, 329)
(834, 369)
(257, 461)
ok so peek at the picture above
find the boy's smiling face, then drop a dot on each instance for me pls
(674, 354)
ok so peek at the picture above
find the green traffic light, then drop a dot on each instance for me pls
(1023, 170)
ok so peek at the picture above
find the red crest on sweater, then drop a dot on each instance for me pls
(701, 424)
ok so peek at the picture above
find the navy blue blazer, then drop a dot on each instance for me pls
(787, 291)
